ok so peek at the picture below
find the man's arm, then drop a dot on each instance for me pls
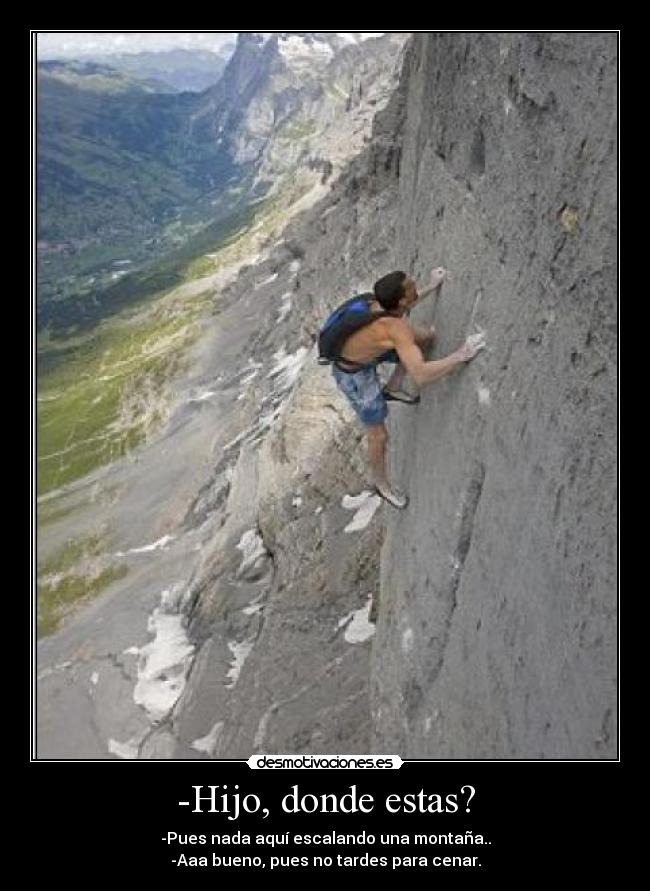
(411, 357)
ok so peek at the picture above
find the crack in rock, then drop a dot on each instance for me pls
(468, 510)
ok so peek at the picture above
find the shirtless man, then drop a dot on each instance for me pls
(391, 338)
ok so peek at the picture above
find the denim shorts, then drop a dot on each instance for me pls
(363, 390)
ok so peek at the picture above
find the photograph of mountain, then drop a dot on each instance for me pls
(255, 538)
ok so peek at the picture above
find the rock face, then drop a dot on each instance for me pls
(497, 629)
(495, 593)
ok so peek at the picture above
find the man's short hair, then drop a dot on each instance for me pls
(389, 289)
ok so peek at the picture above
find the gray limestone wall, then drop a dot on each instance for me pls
(497, 629)
(495, 592)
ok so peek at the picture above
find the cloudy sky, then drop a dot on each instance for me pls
(75, 44)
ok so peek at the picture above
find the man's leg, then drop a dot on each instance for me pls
(377, 440)
(424, 338)
(395, 381)
(363, 391)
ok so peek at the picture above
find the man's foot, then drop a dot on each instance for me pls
(393, 496)
(400, 396)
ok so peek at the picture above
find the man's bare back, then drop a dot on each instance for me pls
(372, 340)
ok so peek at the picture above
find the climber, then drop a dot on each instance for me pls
(371, 329)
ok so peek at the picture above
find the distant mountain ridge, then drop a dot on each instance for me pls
(175, 71)
(93, 75)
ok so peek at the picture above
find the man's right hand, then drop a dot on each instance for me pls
(438, 275)
(474, 344)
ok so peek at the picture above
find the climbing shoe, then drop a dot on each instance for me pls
(394, 497)
(400, 396)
